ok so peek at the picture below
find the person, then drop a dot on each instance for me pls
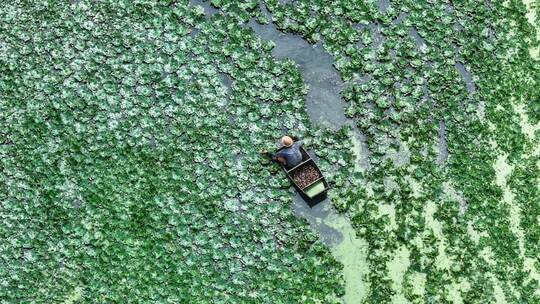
(291, 155)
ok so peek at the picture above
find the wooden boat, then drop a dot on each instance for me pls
(314, 189)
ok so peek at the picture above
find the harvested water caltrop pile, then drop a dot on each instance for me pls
(130, 169)
(305, 175)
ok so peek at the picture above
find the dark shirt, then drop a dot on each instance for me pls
(292, 154)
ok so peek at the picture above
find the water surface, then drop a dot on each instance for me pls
(323, 101)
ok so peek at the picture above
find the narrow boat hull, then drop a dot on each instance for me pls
(314, 191)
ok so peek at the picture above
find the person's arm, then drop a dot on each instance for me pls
(278, 154)
(280, 157)
(298, 143)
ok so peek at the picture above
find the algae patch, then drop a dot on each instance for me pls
(503, 171)
(499, 293)
(74, 296)
(336, 231)
(531, 17)
(352, 253)
(442, 260)
(397, 268)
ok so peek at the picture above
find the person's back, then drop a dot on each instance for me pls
(291, 155)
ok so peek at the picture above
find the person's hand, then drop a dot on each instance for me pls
(282, 160)
(263, 151)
